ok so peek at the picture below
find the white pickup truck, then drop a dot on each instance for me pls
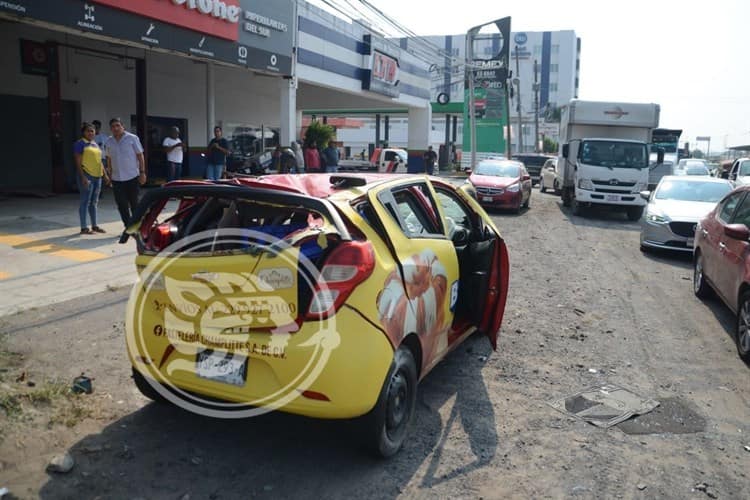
(384, 160)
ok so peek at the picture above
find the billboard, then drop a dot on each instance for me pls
(490, 87)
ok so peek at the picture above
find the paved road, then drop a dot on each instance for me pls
(585, 308)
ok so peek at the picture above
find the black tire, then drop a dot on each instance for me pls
(742, 331)
(528, 202)
(701, 289)
(541, 186)
(556, 187)
(146, 388)
(387, 425)
(576, 207)
(634, 213)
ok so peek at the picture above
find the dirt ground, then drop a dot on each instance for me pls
(585, 307)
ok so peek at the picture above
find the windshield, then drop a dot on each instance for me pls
(710, 192)
(698, 169)
(614, 154)
(497, 170)
(669, 147)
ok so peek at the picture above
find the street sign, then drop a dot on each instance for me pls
(703, 138)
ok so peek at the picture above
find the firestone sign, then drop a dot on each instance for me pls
(250, 33)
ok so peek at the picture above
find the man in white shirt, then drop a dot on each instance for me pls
(174, 147)
(128, 167)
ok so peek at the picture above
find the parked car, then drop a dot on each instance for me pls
(533, 163)
(321, 295)
(722, 260)
(501, 184)
(550, 179)
(691, 166)
(740, 172)
(675, 207)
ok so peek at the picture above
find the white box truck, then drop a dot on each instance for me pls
(604, 154)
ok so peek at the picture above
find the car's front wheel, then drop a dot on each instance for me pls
(634, 213)
(145, 387)
(387, 424)
(742, 336)
(700, 287)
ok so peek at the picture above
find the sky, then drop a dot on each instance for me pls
(692, 58)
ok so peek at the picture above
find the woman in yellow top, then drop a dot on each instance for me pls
(90, 172)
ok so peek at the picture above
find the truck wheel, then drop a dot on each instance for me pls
(577, 207)
(635, 213)
(742, 335)
(387, 424)
(567, 197)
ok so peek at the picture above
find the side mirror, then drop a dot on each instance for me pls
(646, 195)
(460, 236)
(526, 177)
(737, 232)
(566, 150)
(551, 169)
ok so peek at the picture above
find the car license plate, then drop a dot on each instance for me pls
(689, 243)
(223, 367)
(613, 197)
(486, 198)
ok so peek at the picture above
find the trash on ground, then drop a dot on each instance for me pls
(82, 385)
(604, 405)
(61, 463)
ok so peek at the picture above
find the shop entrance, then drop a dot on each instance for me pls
(157, 128)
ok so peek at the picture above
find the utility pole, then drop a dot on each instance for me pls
(517, 81)
(469, 66)
(536, 110)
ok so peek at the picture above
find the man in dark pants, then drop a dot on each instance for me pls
(430, 157)
(127, 168)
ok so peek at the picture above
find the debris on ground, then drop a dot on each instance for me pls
(604, 405)
(61, 463)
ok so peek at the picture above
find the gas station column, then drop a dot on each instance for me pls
(288, 111)
(420, 125)
(210, 101)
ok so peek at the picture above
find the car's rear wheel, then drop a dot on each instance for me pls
(742, 336)
(145, 387)
(388, 423)
(700, 287)
(556, 186)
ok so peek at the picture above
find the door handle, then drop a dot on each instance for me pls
(722, 246)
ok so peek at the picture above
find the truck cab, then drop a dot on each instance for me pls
(606, 172)
(389, 160)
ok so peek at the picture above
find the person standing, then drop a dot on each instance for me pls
(174, 148)
(101, 139)
(312, 158)
(218, 149)
(430, 157)
(88, 158)
(331, 155)
(299, 157)
(125, 158)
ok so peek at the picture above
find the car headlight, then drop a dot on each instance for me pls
(640, 186)
(657, 218)
(586, 184)
(513, 188)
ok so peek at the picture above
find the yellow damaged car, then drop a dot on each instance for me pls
(323, 295)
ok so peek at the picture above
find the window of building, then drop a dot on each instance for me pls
(537, 51)
(553, 87)
(553, 68)
(555, 49)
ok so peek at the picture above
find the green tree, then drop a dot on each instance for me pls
(320, 133)
(549, 146)
(697, 153)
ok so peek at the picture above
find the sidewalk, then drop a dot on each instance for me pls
(44, 259)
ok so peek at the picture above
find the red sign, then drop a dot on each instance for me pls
(219, 18)
(384, 68)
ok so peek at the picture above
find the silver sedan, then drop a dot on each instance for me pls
(674, 208)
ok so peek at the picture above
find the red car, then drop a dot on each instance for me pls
(722, 260)
(502, 184)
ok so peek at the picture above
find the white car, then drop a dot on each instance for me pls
(691, 166)
(549, 178)
(740, 173)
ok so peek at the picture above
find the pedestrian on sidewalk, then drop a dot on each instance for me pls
(125, 157)
(312, 158)
(101, 139)
(88, 158)
(331, 155)
(174, 147)
(218, 149)
(430, 157)
(299, 157)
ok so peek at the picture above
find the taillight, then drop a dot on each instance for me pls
(348, 265)
(161, 236)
